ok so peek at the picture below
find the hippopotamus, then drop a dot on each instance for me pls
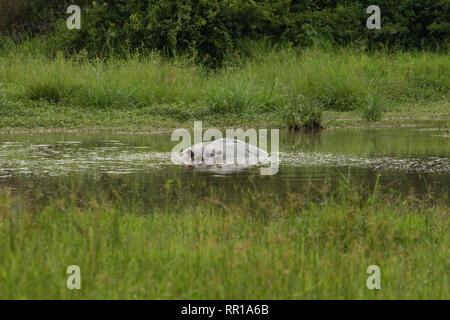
(223, 153)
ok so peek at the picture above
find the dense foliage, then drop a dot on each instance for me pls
(212, 29)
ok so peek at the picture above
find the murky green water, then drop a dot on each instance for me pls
(140, 167)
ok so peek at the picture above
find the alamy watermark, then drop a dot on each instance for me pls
(374, 21)
(74, 280)
(374, 281)
(74, 20)
(230, 152)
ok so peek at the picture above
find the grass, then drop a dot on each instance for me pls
(303, 113)
(255, 85)
(373, 109)
(263, 247)
(260, 248)
(31, 116)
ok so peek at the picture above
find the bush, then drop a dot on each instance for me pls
(23, 17)
(211, 30)
(199, 28)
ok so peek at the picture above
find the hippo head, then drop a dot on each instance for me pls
(205, 154)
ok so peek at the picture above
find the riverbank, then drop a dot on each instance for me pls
(31, 116)
(148, 94)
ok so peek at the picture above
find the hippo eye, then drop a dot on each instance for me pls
(191, 154)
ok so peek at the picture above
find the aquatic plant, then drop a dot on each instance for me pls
(303, 113)
(372, 109)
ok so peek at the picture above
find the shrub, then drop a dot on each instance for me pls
(18, 17)
(211, 30)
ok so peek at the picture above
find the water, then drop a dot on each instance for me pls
(139, 166)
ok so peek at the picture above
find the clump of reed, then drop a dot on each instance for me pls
(372, 109)
(303, 113)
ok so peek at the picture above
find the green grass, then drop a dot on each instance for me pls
(258, 85)
(261, 248)
(372, 110)
(303, 114)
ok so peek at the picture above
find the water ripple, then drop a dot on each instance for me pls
(424, 165)
(113, 157)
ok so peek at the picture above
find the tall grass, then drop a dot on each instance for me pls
(372, 110)
(260, 248)
(303, 113)
(340, 79)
